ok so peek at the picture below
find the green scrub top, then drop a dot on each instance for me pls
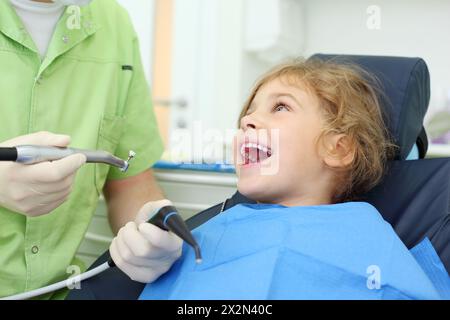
(91, 86)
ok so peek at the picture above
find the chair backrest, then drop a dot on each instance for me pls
(414, 197)
(405, 83)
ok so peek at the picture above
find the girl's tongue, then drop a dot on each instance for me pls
(255, 154)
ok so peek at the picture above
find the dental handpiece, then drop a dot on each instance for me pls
(168, 219)
(31, 154)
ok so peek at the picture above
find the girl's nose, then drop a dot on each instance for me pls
(250, 122)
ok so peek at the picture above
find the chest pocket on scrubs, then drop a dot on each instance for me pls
(111, 129)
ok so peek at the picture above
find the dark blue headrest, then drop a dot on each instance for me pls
(405, 83)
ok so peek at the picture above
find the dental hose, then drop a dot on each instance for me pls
(59, 285)
(166, 218)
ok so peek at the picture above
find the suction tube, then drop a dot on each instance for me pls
(168, 219)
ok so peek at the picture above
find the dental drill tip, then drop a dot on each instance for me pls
(198, 255)
(131, 155)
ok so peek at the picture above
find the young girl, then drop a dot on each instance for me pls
(311, 140)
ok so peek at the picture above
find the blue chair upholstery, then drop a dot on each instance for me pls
(414, 198)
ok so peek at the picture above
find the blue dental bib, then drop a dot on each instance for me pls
(261, 251)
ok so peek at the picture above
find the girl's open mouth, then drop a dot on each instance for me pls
(253, 153)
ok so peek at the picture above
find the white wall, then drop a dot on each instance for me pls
(207, 61)
(141, 13)
(212, 68)
(411, 28)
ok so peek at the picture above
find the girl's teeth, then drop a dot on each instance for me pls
(250, 152)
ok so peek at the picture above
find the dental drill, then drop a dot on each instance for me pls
(166, 218)
(31, 154)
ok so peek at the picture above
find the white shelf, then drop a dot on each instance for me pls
(438, 150)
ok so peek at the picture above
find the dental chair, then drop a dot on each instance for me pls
(414, 196)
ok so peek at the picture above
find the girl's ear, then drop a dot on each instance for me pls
(339, 151)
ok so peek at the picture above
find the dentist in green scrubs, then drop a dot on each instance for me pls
(71, 74)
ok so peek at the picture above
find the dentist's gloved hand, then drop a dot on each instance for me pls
(143, 251)
(39, 188)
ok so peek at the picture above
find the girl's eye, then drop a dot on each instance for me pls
(280, 107)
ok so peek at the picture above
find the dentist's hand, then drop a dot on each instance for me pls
(143, 251)
(39, 188)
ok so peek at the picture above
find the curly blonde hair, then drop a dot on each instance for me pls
(349, 101)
